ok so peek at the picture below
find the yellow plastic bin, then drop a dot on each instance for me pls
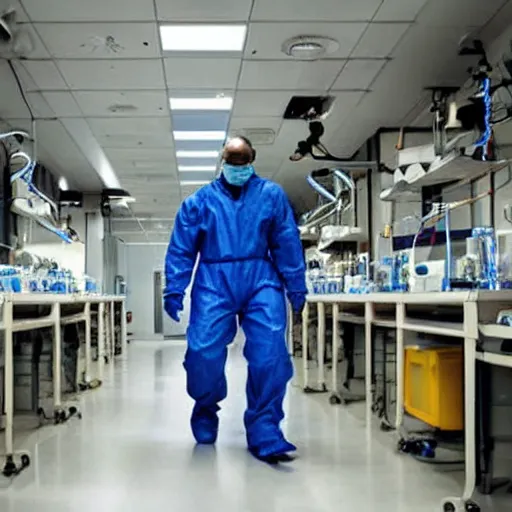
(434, 389)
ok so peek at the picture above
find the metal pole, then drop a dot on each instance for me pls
(101, 339)
(8, 377)
(57, 362)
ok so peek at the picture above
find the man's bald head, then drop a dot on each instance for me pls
(238, 151)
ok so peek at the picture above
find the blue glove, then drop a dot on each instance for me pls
(297, 300)
(173, 304)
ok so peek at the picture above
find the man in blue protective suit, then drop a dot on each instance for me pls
(242, 229)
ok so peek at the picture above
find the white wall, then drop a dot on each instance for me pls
(47, 245)
(94, 263)
(141, 263)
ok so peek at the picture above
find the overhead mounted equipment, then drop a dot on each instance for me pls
(114, 198)
(313, 147)
(462, 158)
(308, 108)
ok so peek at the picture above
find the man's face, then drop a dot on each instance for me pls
(237, 152)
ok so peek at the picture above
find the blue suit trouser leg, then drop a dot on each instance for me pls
(270, 370)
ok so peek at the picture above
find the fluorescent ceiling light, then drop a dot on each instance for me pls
(197, 168)
(221, 103)
(193, 183)
(191, 135)
(197, 154)
(203, 38)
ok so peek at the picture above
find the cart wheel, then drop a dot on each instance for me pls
(25, 461)
(10, 468)
(471, 506)
(335, 400)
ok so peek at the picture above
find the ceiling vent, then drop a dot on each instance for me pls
(122, 109)
(257, 136)
(309, 108)
(309, 47)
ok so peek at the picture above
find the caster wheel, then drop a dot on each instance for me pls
(25, 461)
(472, 507)
(449, 507)
(335, 400)
(9, 468)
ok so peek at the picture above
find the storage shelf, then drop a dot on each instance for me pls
(28, 325)
(496, 331)
(351, 319)
(384, 322)
(452, 167)
(434, 327)
(73, 319)
(495, 359)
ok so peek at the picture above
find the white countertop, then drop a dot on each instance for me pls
(458, 297)
(55, 298)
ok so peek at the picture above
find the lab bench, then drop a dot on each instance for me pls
(467, 315)
(29, 312)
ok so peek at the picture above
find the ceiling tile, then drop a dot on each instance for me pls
(199, 10)
(62, 103)
(21, 15)
(129, 126)
(92, 10)
(156, 140)
(145, 103)
(45, 75)
(30, 44)
(320, 10)
(100, 40)
(343, 106)
(358, 74)
(140, 155)
(39, 106)
(63, 156)
(242, 123)
(266, 39)
(438, 13)
(289, 75)
(264, 103)
(199, 73)
(100, 75)
(380, 39)
(399, 10)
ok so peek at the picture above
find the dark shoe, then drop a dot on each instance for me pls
(205, 425)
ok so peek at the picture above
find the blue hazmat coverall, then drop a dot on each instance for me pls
(249, 253)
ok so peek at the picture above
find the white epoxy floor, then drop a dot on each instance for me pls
(133, 452)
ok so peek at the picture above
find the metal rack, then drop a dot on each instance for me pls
(11, 323)
(398, 311)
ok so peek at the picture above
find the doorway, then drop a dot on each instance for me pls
(158, 303)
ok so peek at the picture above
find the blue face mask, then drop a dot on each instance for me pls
(237, 175)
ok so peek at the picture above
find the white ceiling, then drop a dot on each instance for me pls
(389, 50)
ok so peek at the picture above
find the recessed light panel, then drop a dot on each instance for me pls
(222, 103)
(200, 135)
(197, 168)
(203, 38)
(197, 154)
